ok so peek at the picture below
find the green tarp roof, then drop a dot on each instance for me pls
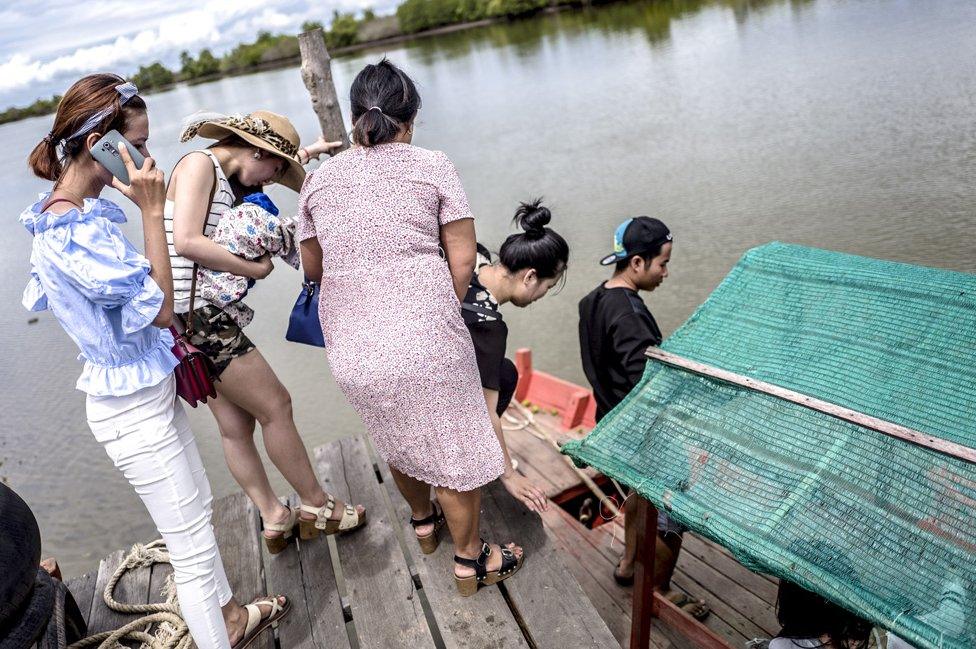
(879, 525)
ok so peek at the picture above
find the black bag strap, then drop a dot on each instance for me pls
(206, 216)
(473, 308)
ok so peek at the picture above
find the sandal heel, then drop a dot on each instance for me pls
(277, 544)
(467, 586)
(429, 544)
(307, 530)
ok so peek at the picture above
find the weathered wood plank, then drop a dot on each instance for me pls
(316, 620)
(386, 609)
(480, 622)
(594, 572)
(83, 590)
(747, 614)
(237, 526)
(322, 596)
(133, 588)
(160, 571)
(545, 594)
(540, 462)
(710, 554)
(717, 621)
(283, 574)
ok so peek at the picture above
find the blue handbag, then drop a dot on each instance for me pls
(303, 323)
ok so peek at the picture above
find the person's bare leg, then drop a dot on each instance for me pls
(417, 495)
(462, 509)
(237, 437)
(668, 549)
(250, 383)
(665, 556)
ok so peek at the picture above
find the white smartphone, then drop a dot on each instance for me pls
(106, 152)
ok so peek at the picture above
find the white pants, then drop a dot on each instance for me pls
(148, 437)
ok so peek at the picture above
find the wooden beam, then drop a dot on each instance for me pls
(685, 625)
(317, 75)
(644, 601)
(867, 421)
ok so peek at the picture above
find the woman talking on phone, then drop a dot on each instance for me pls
(116, 304)
(250, 152)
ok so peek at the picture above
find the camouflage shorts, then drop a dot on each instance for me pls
(218, 336)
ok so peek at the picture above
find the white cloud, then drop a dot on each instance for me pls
(187, 30)
(42, 48)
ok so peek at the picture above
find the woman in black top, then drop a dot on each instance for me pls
(529, 264)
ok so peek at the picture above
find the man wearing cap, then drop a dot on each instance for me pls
(615, 326)
(615, 330)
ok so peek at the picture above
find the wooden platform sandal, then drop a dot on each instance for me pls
(429, 542)
(257, 623)
(278, 543)
(323, 521)
(468, 586)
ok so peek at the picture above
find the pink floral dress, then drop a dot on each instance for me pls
(395, 339)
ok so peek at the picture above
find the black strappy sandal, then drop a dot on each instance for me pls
(468, 586)
(429, 543)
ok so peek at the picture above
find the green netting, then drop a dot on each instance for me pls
(883, 527)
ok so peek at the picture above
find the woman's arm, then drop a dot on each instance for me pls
(312, 152)
(312, 259)
(193, 179)
(458, 241)
(147, 189)
(514, 482)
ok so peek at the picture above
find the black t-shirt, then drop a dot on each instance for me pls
(615, 329)
(489, 333)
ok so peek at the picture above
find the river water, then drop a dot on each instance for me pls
(838, 124)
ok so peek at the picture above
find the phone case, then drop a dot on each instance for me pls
(106, 152)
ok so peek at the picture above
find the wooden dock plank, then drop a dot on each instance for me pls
(480, 622)
(83, 590)
(237, 526)
(386, 609)
(283, 574)
(749, 616)
(160, 571)
(539, 461)
(322, 596)
(594, 573)
(545, 594)
(725, 620)
(133, 588)
(714, 556)
(304, 572)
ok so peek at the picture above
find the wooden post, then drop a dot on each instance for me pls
(643, 604)
(317, 75)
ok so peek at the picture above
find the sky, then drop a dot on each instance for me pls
(44, 46)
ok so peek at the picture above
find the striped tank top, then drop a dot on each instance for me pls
(182, 267)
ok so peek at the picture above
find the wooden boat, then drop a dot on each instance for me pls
(742, 602)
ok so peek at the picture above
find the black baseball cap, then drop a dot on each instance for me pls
(636, 236)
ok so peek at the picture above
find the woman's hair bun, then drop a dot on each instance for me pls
(533, 217)
(538, 246)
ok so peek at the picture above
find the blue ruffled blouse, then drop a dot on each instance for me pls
(98, 287)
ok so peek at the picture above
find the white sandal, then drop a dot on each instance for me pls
(323, 522)
(257, 623)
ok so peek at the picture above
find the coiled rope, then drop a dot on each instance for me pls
(171, 631)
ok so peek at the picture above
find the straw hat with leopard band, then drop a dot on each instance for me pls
(263, 129)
